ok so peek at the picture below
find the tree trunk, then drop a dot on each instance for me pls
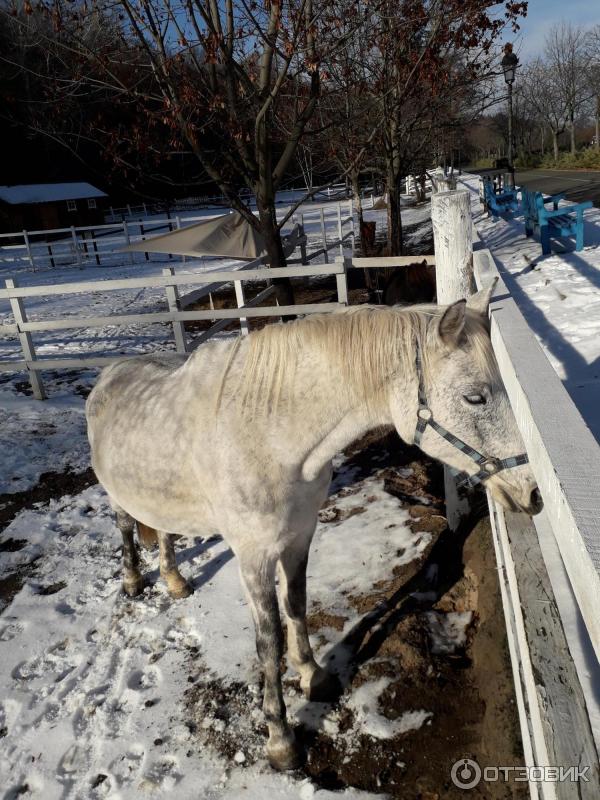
(597, 142)
(572, 132)
(272, 236)
(543, 133)
(394, 215)
(555, 145)
(357, 201)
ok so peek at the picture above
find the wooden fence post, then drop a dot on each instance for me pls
(453, 246)
(127, 239)
(28, 248)
(340, 230)
(341, 279)
(303, 241)
(76, 246)
(178, 223)
(18, 310)
(324, 235)
(174, 306)
(241, 302)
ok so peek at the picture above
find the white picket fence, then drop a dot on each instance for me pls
(102, 245)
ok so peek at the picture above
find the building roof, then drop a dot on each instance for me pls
(48, 192)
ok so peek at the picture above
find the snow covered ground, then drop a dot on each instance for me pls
(559, 296)
(93, 685)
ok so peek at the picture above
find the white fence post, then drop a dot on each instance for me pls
(239, 296)
(174, 305)
(453, 245)
(76, 246)
(340, 230)
(18, 310)
(178, 223)
(28, 248)
(324, 235)
(127, 239)
(341, 279)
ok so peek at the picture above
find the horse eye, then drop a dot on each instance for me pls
(475, 399)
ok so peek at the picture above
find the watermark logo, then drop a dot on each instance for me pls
(467, 774)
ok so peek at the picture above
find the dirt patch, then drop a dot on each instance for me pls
(50, 486)
(461, 685)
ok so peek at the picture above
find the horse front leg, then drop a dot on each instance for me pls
(259, 581)
(176, 584)
(316, 683)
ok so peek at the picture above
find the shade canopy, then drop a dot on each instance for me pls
(228, 236)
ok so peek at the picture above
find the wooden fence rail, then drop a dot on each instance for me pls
(565, 459)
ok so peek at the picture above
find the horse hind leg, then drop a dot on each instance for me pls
(316, 683)
(177, 585)
(148, 536)
(133, 582)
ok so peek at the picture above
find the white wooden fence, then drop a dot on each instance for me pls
(102, 245)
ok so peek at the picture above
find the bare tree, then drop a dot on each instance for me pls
(593, 76)
(541, 92)
(235, 84)
(566, 62)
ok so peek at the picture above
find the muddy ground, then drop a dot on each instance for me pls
(469, 691)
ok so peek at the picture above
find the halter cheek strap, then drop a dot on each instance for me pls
(488, 466)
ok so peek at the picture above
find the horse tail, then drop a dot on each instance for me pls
(148, 536)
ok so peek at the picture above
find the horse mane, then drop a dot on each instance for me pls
(366, 345)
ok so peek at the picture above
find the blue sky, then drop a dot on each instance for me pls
(544, 13)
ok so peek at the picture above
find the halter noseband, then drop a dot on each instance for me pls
(488, 466)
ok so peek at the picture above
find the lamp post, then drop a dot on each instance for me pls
(509, 67)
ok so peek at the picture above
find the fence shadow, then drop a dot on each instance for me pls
(581, 379)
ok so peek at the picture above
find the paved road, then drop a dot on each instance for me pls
(577, 185)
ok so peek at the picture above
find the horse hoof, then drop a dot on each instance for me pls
(324, 686)
(286, 757)
(180, 591)
(133, 588)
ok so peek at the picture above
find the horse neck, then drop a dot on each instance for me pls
(320, 419)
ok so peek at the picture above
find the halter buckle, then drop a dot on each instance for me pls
(424, 413)
(491, 466)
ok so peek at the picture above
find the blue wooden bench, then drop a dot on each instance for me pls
(499, 202)
(565, 221)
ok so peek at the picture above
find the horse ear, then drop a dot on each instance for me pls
(481, 301)
(452, 322)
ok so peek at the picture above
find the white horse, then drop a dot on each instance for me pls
(239, 437)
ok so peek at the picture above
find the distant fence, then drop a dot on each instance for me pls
(334, 192)
(102, 245)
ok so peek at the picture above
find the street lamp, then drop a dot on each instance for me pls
(509, 67)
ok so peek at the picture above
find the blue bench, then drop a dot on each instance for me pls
(565, 221)
(499, 202)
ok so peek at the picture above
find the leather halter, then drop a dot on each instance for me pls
(488, 466)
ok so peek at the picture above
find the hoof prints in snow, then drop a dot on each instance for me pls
(106, 697)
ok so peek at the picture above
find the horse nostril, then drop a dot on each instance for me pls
(536, 502)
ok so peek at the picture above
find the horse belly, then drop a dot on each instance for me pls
(147, 467)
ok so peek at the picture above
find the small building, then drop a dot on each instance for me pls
(44, 206)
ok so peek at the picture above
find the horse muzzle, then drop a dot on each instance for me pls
(528, 501)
